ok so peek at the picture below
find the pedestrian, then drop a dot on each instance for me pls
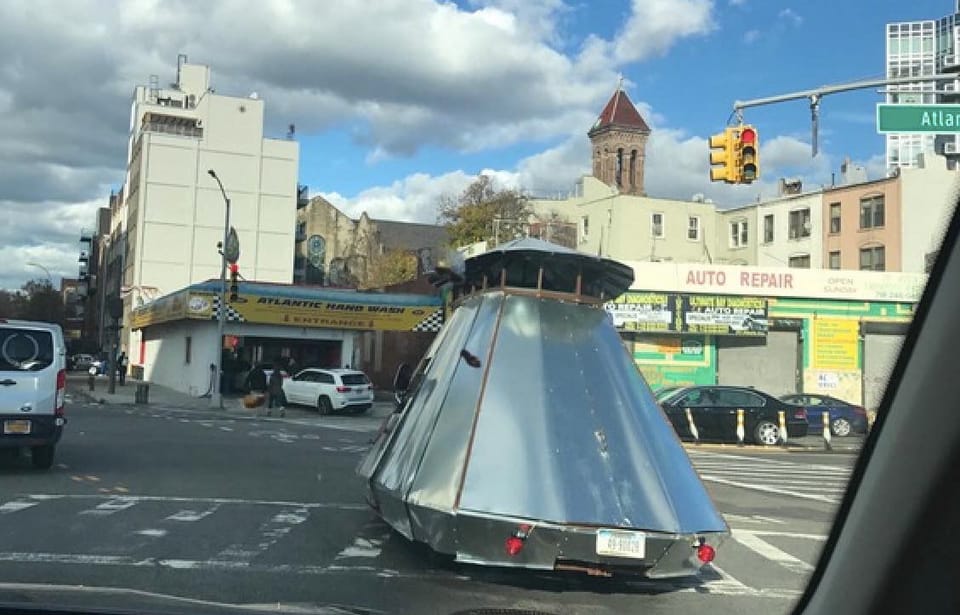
(92, 377)
(275, 391)
(257, 382)
(122, 362)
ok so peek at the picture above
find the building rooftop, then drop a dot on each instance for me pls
(620, 112)
(410, 235)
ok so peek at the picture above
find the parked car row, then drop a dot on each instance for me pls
(713, 413)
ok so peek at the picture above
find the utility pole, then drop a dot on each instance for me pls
(216, 397)
(816, 94)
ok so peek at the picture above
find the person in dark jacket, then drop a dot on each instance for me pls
(257, 380)
(275, 391)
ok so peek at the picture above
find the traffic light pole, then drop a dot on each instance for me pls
(816, 94)
(216, 395)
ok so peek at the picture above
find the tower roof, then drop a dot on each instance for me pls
(620, 112)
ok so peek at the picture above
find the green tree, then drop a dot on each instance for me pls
(391, 267)
(36, 300)
(484, 213)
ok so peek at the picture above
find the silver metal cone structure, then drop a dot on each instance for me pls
(527, 419)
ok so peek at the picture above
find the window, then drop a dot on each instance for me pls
(768, 228)
(656, 225)
(584, 227)
(734, 398)
(693, 228)
(800, 223)
(871, 212)
(834, 217)
(835, 260)
(801, 261)
(873, 258)
(325, 378)
(738, 234)
(188, 347)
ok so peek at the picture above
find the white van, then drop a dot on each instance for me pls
(33, 384)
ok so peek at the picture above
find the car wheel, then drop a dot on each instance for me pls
(766, 433)
(42, 456)
(840, 427)
(324, 406)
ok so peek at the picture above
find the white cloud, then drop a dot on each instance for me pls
(751, 36)
(790, 15)
(655, 25)
(400, 74)
(737, 2)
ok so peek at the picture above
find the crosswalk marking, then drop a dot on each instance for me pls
(369, 550)
(110, 507)
(16, 505)
(756, 544)
(192, 515)
(817, 482)
(267, 535)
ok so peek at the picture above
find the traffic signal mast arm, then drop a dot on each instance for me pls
(816, 94)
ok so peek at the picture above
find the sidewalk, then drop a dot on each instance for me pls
(126, 394)
(165, 397)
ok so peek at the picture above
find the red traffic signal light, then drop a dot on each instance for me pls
(747, 155)
(234, 269)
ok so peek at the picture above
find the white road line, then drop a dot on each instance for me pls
(765, 549)
(763, 461)
(267, 535)
(768, 489)
(157, 498)
(192, 515)
(15, 505)
(111, 506)
(726, 586)
(153, 533)
(224, 428)
(771, 469)
(818, 537)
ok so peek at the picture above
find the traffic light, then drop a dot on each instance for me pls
(234, 287)
(748, 158)
(723, 157)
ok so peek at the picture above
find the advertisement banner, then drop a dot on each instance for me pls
(836, 345)
(648, 312)
(330, 314)
(719, 315)
(364, 312)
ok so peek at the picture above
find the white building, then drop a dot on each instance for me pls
(173, 212)
(921, 48)
(789, 231)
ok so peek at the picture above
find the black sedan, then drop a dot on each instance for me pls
(714, 413)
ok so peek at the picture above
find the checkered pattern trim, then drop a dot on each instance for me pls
(232, 314)
(433, 322)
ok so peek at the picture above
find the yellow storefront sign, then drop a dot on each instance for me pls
(345, 311)
(836, 344)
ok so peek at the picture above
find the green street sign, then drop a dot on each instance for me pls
(935, 119)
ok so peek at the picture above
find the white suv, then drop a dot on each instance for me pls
(33, 382)
(330, 389)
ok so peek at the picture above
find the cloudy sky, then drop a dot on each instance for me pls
(399, 101)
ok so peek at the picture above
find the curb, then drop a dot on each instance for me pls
(771, 449)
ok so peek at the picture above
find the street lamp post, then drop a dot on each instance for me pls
(45, 270)
(216, 398)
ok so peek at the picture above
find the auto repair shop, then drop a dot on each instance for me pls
(781, 330)
(315, 327)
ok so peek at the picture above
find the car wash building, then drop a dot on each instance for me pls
(312, 327)
(780, 330)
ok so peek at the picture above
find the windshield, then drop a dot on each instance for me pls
(244, 217)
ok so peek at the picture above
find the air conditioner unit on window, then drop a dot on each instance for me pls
(199, 123)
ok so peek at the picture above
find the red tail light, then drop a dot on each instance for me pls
(800, 414)
(61, 392)
(706, 553)
(343, 389)
(513, 545)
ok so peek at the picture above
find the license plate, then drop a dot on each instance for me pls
(16, 427)
(620, 543)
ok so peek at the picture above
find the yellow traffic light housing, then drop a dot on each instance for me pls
(723, 160)
(748, 154)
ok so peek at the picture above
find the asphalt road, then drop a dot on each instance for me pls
(269, 512)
